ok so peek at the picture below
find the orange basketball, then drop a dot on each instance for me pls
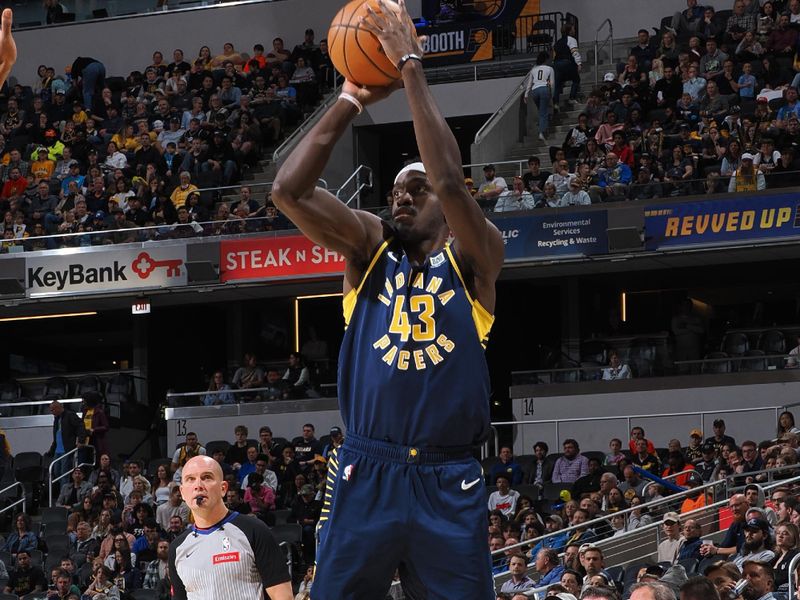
(355, 52)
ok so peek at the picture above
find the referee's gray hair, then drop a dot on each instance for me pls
(660, 590)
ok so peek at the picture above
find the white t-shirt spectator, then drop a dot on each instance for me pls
(542, 75)
(620, 372)
(505, 504)
(510, 201)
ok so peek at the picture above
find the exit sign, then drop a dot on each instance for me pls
(141, 307)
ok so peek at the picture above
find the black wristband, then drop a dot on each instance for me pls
(407, 57)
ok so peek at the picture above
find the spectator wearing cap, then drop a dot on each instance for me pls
(220, 159)
(575, 196)
(670, 545)
(147, 154)
(719, 439)
(124, 230)
(337, 439)
(696, 500)
(306, 511)
(693, 452)
(492, 186)
(612, 181)
(757, 544)
(42, 168)
(173, 133)
(747, 178)
(504, 498)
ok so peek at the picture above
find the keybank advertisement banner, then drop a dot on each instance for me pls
(728, 220)
(276, 257)
(105, 269)
(533, 237)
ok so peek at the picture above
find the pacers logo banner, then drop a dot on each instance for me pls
(534, 237)
(723, 221)
(276, 258)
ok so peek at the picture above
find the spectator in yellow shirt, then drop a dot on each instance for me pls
(42, 168)
(79, 115)
(181, 193)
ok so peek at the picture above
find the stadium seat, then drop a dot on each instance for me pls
(735, 343)
(281, 441)
(529, 490)
(755, 361)
(616, 574)
(7, 558)
(773, 341)
(663, 455)
(143, 594)
(291, 533)
(214, 445)
(10, 391)
(56, 388)
(120, 389)
(88, 383)
(34, 596)
(28, 467)
(689, 565)
(282, 516)
(716, 367)
(631, 571)
(595, 454)
(57, 543)
(552, 491)
(4, 596)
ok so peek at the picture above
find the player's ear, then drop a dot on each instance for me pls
(224, 487)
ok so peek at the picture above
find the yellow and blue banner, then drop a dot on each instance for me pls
(724, 221)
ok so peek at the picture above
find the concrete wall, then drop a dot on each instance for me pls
(126, 44)
(756, 422)
(286, 419)
(628, 16)
(454, 99)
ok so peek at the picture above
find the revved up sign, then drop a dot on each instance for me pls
(105, 269)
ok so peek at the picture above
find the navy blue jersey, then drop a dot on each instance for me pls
(412, 368)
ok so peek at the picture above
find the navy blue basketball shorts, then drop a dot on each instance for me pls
(390, 507)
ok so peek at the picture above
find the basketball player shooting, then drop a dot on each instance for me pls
(404, 490)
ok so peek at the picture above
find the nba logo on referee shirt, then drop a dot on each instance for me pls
(226, 544)
(348, 471)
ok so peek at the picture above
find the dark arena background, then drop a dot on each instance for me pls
(644, 357)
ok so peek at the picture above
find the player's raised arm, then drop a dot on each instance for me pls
(317, 212)
(478, 240)
(8, 48)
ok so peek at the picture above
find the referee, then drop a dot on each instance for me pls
(224, 554)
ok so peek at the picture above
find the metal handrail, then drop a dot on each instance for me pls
(521, 164)
(321, 181)
(67, 473)
(13, 504)
(608, 41)
(41, 402)
(359, 187)
(648, 505)
(792, 566)
(293, 138)
(601, 520)
(487, 127)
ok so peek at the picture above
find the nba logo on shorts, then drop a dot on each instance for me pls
(348, 471)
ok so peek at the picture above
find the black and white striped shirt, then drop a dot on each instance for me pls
(236, 559)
